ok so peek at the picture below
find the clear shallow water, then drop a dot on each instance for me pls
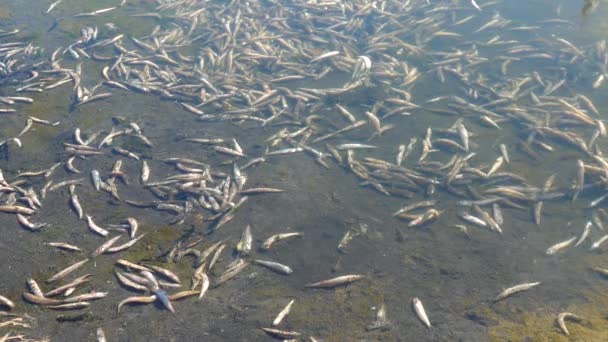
(456, 276)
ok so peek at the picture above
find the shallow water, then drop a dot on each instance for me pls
(456, 275)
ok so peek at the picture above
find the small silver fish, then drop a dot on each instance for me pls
(95, 228)
(104, 247)
(76, 205)
(560, 245)
(515, 289)
(561, 321)
(96, 178)
(475, 5)
(597, 243)
(283, 313)
(101, 336)
(145, 172)
(400, 155)
(419, 310)
(275, 266)
(504, 153)
(244, 245)
(585, 233)
(341, 280)
(278, 237)
(580, 179)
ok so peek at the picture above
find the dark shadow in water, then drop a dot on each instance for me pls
(589, 6)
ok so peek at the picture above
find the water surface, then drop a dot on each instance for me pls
(456, 275)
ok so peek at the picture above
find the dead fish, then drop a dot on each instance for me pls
(67, 271)
(355, 146)
(101, 336)
(474, 220)
(95, 228)
(598, 82)
(279, 318)
(417, 205)
(253, 191)
(515, 289)
(16, 209)
(284, 334)
(145, 172)
(278, 237)
(561, 321)
(96, 178)
(76, 204)
(133, 226)
(497, 164)
(138, 299)
(52, 5)
(464, 135)
(275, 266)
(580, 179)
(585, 233)
(70, 306)
(504, 153)
(345, 241)
(244, 245)
(602, 271)
(164, 299)
(597, 201)
(381, 321)
(419, 310)
(597, 243)
(229, 151)
(125, 153)
(166, 273)
(40, 300)
(69, 164)
(73, 284)
(182, 295)
(428, 216)
(104, 247)
(124, 246)
(475, 5)
(130, 284)
(7, 302)
(29, 225)
(497, 213)
(192, 109)
(489, 121)
(34, 287)
(85, 297)
(561, 245)
(231, 272)
(324, 56)
(132, 266)
(204, 285)
(338, 281)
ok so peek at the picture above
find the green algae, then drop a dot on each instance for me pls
(145, 250)
(341, 314)
(541, 324)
